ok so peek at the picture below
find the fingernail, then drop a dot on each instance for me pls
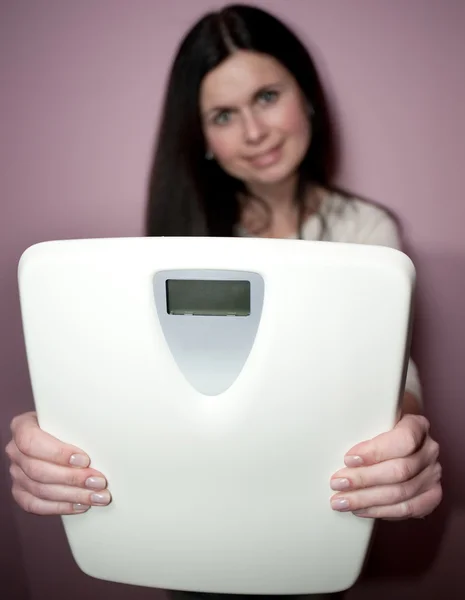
(79, 460)
(96, 483)
(101, 498)
(80, 507)
(353, 461)
(339, 504)
(340, 484)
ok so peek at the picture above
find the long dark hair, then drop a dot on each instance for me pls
(189, 195)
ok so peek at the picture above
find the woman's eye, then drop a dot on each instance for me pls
(222, 118)
(268, 96)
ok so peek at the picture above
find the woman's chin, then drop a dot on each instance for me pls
(272, 177)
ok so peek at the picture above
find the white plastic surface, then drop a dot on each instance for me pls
(226, 493)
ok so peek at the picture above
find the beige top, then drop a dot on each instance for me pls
(358, 222)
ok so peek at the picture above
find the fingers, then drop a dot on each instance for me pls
(51, 477)
(406, 485)
(32, 441)
(388, 495)
(389, 472)
(417, 508)
(37, 506)
(44, 472)
(59, 493)
(405, 439)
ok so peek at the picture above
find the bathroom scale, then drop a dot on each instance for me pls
(217, 383)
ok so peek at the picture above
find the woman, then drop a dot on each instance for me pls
(244, 149)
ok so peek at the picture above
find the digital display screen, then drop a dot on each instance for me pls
(208, 297)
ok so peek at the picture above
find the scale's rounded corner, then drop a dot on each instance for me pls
(29, 254)
(86, 565)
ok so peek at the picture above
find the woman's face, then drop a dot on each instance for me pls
(255, 118)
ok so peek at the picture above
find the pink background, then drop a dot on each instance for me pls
(82, 84)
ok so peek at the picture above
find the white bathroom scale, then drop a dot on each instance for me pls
(217, 383)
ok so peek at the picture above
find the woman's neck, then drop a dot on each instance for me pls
(272, 211)
(279, 197)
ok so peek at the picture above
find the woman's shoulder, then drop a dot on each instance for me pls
(352, 219)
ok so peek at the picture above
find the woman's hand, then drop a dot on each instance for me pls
(50, 477)
(396, 475)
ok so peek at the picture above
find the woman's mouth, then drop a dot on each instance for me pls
(268, 158)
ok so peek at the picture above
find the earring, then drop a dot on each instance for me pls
(209, 155)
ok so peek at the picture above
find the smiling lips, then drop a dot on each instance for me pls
(267, 159)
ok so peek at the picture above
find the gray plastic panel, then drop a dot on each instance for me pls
(209, 350)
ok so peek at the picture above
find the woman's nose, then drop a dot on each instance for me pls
(254, 129)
